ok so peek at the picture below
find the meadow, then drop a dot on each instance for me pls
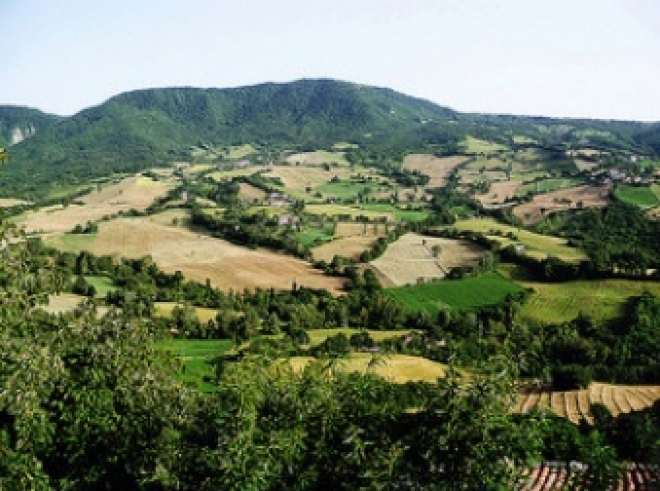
(642, 196)
(562, 302)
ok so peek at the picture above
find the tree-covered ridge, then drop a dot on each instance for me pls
(18, 123)
(140, 129)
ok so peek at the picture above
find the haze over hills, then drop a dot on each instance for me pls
(137, 130)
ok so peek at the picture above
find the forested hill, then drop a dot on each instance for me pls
(140, 129)
(18, 123)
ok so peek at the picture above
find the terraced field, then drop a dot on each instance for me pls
(574, 404)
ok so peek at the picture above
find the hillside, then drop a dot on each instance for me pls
(19, 123)
(137, 130)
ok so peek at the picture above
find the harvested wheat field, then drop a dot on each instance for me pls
(562, 199)
(299, 178)
(350, 247)
(354, 229)
(499, 193)
(251, 193)
(197, 256)
(9, 202)
(437, 168)
(574, 404)
(130, 193)
(416, 256)
(318, 158)
(395, 368)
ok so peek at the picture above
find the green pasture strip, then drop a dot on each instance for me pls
(312, 236)
(197, 356)
(554, 303)
(400, 214)
(102, 284)
(465, 294)
(642, 196)
(317, 336)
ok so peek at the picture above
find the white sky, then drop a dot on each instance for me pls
(577, 58)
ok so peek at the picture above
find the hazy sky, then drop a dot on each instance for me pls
(591, 58)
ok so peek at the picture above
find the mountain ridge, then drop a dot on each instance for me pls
(139, 129)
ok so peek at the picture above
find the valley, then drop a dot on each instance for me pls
(508, 264)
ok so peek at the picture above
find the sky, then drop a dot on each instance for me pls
(560, 58)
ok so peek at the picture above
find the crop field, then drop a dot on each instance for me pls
(642, 196)
(563, 199)
(499, 192)
(468, 293)
(536, 245)
(318, 158)
(395, 368)
(197, 256)
(574, 404)
(600, 299)
(354, 229)
(437, 168)
(413, 257)
(130, 193)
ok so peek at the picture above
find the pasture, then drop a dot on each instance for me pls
(546, 186)
(574, 404)
(198, 257)
(474, 146)
(536, 245)
(105, 200)
(464, 294)
(413, 258)
(600, 299)
(304, 178)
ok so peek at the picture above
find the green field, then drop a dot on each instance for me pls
(642, 196)
(484, 290)
(600, 299)
(400, 214)
(196, 358)
(312, 236)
